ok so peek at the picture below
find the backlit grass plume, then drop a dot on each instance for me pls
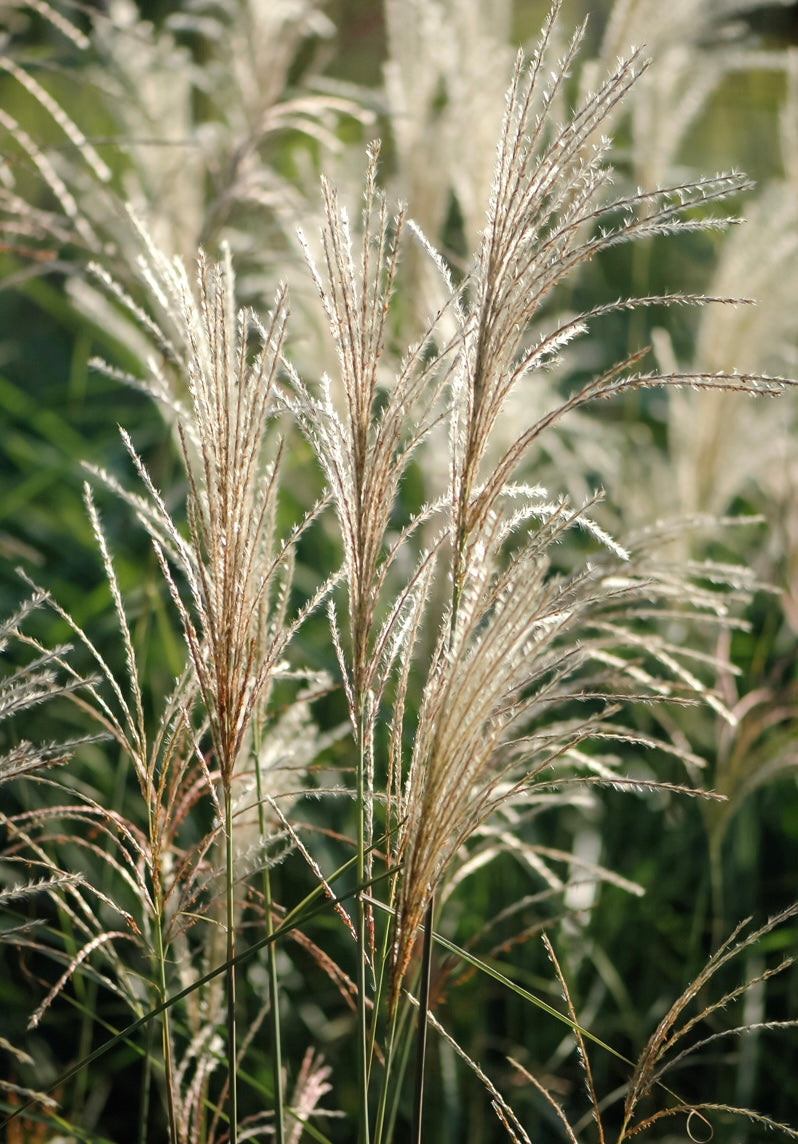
(238, 576)
(493, 653)
(513, 627)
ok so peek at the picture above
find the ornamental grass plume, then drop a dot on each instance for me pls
(516, 638)
(235, 626)
(530, 666)
(498, 651)
(364, 450)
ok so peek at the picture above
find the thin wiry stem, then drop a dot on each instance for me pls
(274, 995)
(423, 1015)
(362, 934)
(230, 975)
(388, 1073)
(166, 1036)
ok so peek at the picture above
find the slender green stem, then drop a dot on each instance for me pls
(230, 975)
(421, 1035)
(166, 1037)
(401, 1071)
(379, 1124)
(146, 1088)
(160, 956)
(394, 1028)
(274, 1014)
(277, 1067)
(362, 958)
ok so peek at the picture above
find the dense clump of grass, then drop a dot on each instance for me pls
(375, 701)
